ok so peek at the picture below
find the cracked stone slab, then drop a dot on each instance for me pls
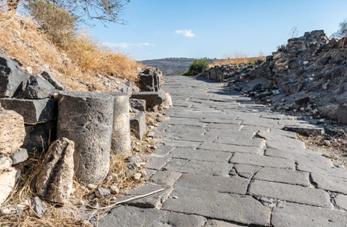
(341, 201)
(283, 176)
(165, 177)
(230, 148)
(330, 183)
(156, 163)
(216, 223)
(259, 160)
(234, 208)
(288, 215)
(153, 201)
(199, 167)
(126, 216)
(291, 193)
(213, 183)
(201, 155)
(241, 141)
(247, 171)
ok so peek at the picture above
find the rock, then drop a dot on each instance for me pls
(5, 163)
(33, 111)
(152, 99)
(21, 155)
(39, 136)
(12, 131)
(11, 77)
(115, 189)
(341, 113)
(138, 104)
(121, 143)
(8, 179)
(103, 192)
(138, 125)
(39, 207)
(56, 84)
(149, 79)
(87, 119)
(54, 181)
(306, 130)
(36, 87)
(167, 101)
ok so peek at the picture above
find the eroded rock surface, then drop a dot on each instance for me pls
(54, 181)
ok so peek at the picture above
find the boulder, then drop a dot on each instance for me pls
(54, 182)
(36, 87)
(152, 99)
(167, 102)
(33, 111)
(50, 78)
(12, 77)
(138, 124)
(8, 179)
(138, 104)
(21, 155)
(12, 132)
(121, 142)
(87, 119)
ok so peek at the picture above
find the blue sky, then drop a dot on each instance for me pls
(215, 28)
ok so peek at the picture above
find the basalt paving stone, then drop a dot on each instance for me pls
(230, 148)
(185, 122)
(199, 167)
(201, 155)
(128, 216)
(181, 143)
(240, 140)
(259, 160)
(291, 193)
(341, 201)
(289, 214)
(247, 171)
(330, 183)
(156, 163)
(165, 177)
(216, 223)
(153, 201)
(229, 207)
(283, 176)
(213, 183)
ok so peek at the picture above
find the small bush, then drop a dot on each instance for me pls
(58, 23)
(198, 66)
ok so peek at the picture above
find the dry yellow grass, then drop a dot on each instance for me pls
(79, 65)
(237, 61)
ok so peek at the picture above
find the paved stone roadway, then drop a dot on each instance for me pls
(226, 162)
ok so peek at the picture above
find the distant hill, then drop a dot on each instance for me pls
(172, 66)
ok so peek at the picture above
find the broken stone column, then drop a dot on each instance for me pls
(54, 182)
(138, 124)
(87, 119)
(121, 143)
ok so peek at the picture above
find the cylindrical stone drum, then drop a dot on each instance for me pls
(121, 142)
(87, 119)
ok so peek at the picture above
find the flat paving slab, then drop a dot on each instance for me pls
(225, 162)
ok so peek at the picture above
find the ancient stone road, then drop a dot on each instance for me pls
(225, 161)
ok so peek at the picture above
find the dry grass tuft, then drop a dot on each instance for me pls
(237, 61)
(79, 65)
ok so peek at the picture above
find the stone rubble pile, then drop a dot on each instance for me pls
(80, 129)
(308, 75)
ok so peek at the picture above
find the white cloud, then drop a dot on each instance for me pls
(188, 33)
(125, 45)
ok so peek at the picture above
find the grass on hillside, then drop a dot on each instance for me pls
(79, 63)
(237, 61)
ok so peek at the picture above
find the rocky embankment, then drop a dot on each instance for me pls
(308, 75)
(75, 133)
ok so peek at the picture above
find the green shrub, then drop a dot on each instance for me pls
(198, 66)
(58, 23)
